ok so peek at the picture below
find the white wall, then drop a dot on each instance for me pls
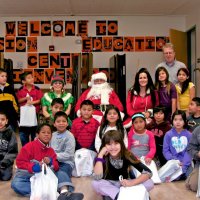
(127, 26)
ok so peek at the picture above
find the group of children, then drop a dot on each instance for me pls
(157, 140)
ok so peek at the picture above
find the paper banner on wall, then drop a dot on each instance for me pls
(22, 28)
(43, 59)
(160, 42)
(32, 60)
(48, 73)
(129, 43)
(65, 60)
(20, 44)
(70, 28)
(118, 43)
(96, 44)
(34, 28)
(32, 44)
(86, 44)
(1, 44)
(10, 29)
(10, 44)
(112, 27)
(45, 28)
(101, 27)
(139, 43)
(107, 44)
(39, 76)
(82, 28)
(58, 28)
(54, 60)
(150, 43)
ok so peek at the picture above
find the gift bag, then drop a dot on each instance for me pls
(137, 192)
(198, 190)
(28, 116)
(84, 162)
(170, 171)
(44, 185)
(155, 177)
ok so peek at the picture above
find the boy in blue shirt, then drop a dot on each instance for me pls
(63, 143)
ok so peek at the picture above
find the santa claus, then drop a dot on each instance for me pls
(101, 94)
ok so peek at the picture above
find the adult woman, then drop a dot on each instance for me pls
(57, 91)
(142, 96)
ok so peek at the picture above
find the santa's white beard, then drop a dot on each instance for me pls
(101, 91)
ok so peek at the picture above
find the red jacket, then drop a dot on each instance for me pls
(35, 150)
(139, 104)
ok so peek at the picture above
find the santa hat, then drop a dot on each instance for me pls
(57, 78)
(98, 75)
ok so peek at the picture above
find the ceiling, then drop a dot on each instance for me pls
(16, 8)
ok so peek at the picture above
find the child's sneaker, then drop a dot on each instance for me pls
(70, 196)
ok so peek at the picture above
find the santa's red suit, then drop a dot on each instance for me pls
(101, 95)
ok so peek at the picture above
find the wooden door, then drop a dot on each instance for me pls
(179, 40)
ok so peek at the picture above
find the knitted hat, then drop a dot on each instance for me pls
(98, 75)
(57, 78)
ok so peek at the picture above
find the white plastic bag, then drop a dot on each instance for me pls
(28, 116)
(44, 185)
(198, 190)
(84, 162)
(137, 192)
(155, 177)
(170, 171)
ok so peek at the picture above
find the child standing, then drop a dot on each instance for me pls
(85, 127)
(159, 126)
(63, 143)
(112, 164)
(28, 94)
(194, 111)
(8, 148)
(141, 141)
(30, 159)
(185, 89)
(8, 100)
(176, 141)
(111, 121)
(166, 91)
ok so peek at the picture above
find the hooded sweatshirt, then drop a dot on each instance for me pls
(8, 146)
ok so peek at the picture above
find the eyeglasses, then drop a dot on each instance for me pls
(170, 53)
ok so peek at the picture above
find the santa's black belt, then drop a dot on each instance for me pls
(101, 107)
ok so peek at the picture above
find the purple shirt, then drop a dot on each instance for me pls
(175, 147)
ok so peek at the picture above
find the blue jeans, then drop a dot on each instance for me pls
(25, 132)
(21, 183)
(64, 176)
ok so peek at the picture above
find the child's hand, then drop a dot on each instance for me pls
(103, 152)
(29, 102)
(148, 161)
(126, 183)
(47, 160)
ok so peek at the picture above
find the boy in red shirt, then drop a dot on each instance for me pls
(28, 94)
(30, 159)
(85, 127)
